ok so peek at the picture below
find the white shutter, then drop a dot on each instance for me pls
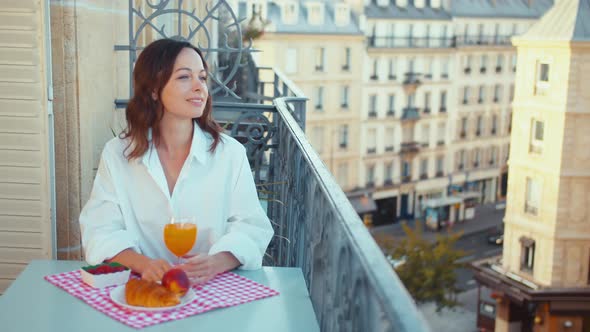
(25, 219)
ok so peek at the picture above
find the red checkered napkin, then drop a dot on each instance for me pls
(225, 290)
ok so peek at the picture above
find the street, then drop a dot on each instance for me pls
(476, 247)
(474, 241)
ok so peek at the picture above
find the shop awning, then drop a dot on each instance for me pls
(443, 201)
(363, 204)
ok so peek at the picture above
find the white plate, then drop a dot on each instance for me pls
(118, 296)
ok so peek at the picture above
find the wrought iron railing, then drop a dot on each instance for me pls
(352, 286)
(483, 40)
(410, 42)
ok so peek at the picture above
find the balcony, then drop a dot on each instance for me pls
(483, 40)
(411, 82)
(409, 42)
(406, 178)
(344, 268)
(409, 147)
(410, 114)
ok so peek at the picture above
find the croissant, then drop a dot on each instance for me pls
(149, 294)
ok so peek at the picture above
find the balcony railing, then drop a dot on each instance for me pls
(409, 147)
(483, 40)
(410, 42)
(351, 284)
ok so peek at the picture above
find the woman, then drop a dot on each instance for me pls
(173, 160)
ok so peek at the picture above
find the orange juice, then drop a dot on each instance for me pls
(180, 237)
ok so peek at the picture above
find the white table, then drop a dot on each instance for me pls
(33, 304)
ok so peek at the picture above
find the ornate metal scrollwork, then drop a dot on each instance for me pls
(217, 32)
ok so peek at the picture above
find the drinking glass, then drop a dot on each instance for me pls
(180, 235)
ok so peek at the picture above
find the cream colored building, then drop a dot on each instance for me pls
(320, 47)
(411, 136)
(543, 280)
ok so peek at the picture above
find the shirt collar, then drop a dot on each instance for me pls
(199, 147)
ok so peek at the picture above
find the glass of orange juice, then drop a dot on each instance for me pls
(180, 235)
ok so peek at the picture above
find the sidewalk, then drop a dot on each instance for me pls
(487, 217)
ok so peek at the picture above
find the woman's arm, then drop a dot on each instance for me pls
(249, 231)
(149, 269)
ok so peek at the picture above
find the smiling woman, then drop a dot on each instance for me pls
(173, 160)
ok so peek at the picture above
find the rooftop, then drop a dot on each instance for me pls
(568, 20)
(462, 8)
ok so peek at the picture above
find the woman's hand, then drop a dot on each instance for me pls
(154, 269)
(202, 267)
(149, 269)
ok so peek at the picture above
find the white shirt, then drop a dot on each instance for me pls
(130, 203)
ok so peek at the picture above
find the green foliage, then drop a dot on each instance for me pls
(429, 269)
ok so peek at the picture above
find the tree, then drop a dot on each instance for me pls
(428, 269)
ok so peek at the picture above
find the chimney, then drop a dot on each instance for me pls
(401, 3)
(435, 4)
(419, 4)
(382, 3)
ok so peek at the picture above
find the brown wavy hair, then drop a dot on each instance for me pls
(152, 71)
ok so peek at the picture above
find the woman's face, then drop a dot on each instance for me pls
(185, 94)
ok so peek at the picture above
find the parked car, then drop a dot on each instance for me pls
(497, 239)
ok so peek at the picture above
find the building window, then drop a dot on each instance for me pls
(374, 75)
(429, 68)
(476, 157)
(511, 92)
(373, 106)
(468, 61)
(480, 34)
(466, 95)
(320, 59)
(392, 75)
(388, 175)
(319, 98)
(461, 163)
(343, 136)
(424, 169)
(482, 94)
(389, 138)
(443, 101)
(370, 180)
(484, 64)
(346, 65)
(406, 171)
(499, 63)
(493, 152)
(445, 68)
(440, 164)
(291, 66)
(372, 141)
(411, 100)
(318, 139)
(532, 196)
(494, 124)
(497, 93)
(427, 102)
(463, 132)
(441, 134)
(537, 134)
(343, 175)
(542, 81)
(527, 256)
(344, 102)
(425, 135)
(479, 128)
(391, 106)
(514, 62)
